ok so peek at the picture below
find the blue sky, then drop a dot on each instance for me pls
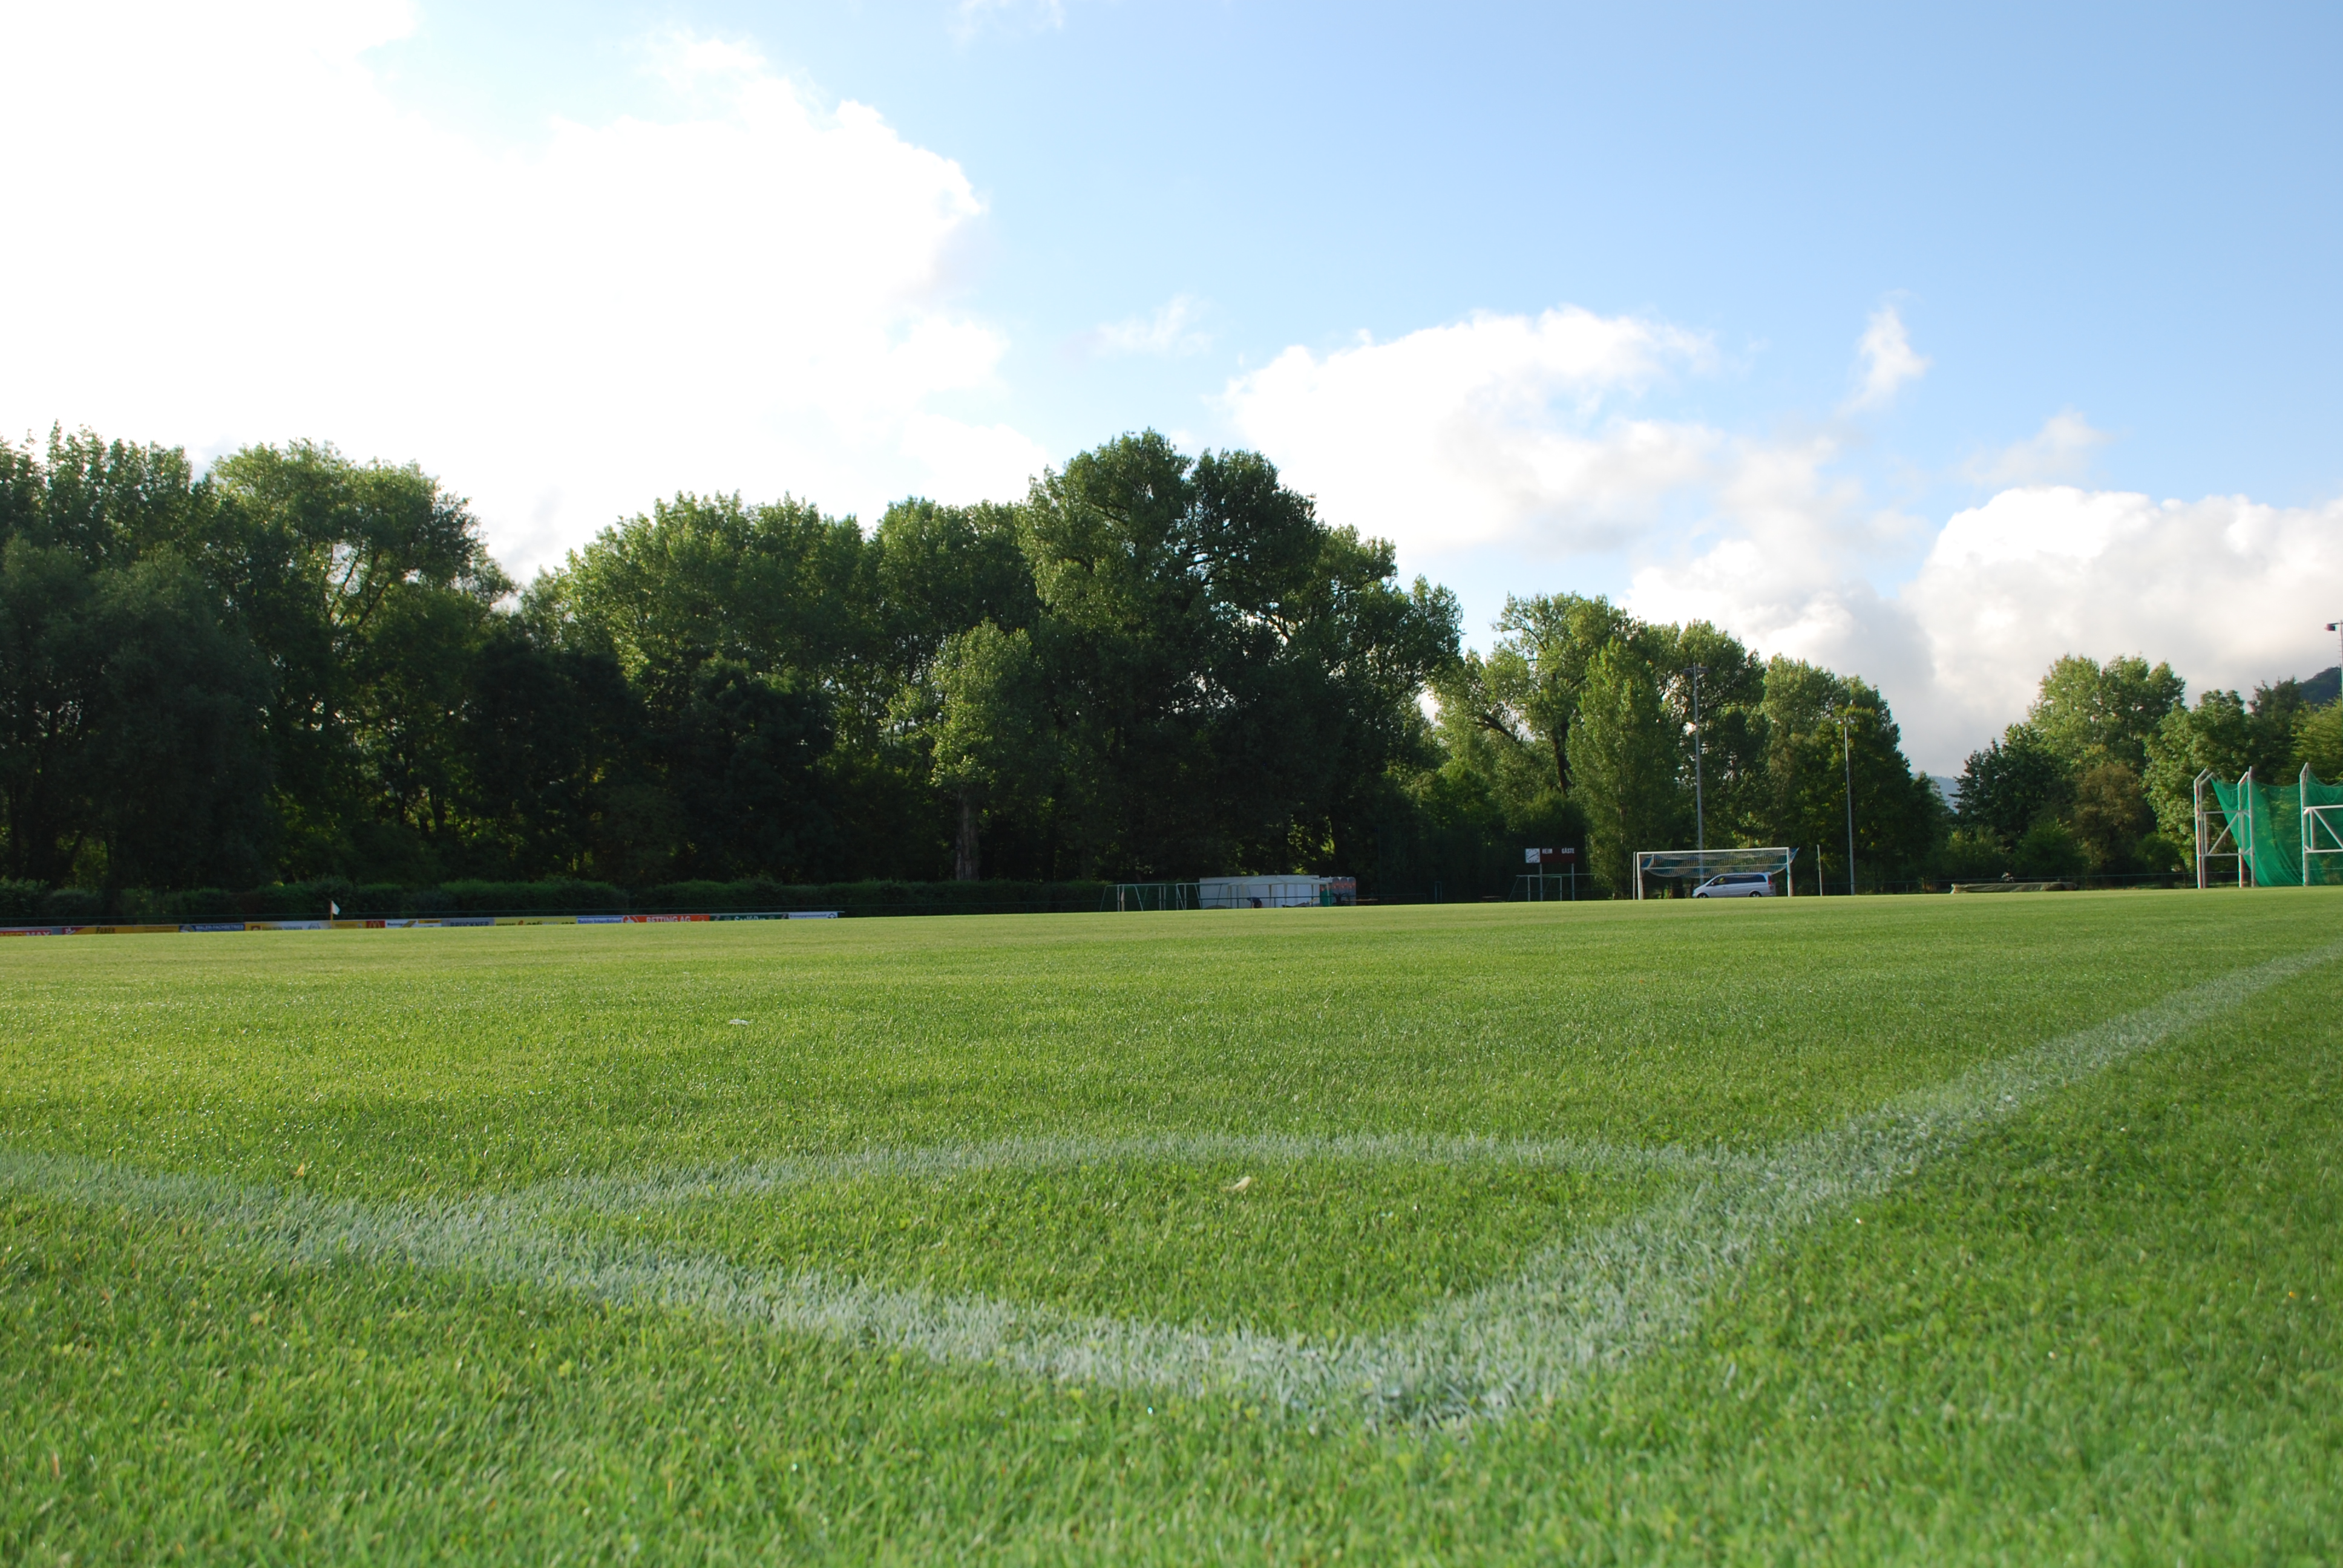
(1555, 297)
(2128, 210)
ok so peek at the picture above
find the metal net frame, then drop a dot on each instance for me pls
(1697, 866)
(2279, 836)
(2322, 829)
(1148, 896)
(2217, 839)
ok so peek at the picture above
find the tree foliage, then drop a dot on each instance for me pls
(1154, 665)
(2014, 783)
(1582, 717)
(2086, 713)
(1624, 762)
(2273, 734)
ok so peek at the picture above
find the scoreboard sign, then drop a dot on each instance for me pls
(1548, 857)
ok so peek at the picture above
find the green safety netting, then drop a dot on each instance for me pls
(2267, 821)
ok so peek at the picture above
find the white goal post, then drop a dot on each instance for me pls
(1697, 866)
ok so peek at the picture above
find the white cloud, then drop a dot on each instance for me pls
(1889, 360)
(257, 243)
(972, 15)
(1170, 330)
(977, 462)
(2231, 592)
(1497, 429)
(1512, 433)
(2061, 449)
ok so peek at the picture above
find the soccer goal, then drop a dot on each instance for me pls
(1147, 896)
(1695, 866)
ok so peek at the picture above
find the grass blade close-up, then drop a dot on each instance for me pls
(1926, 1230)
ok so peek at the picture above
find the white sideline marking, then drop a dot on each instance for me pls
(618, 1193)
(1572, 1313)
(1621, 1291)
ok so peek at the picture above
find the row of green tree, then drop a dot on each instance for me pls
(1585, 725)
(294, 665)
(2101, 774)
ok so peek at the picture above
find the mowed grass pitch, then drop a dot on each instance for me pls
(2003, 1229)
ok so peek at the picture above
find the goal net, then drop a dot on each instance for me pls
(2280, 835)
(1688, 869)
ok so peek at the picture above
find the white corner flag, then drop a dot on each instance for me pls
(334, 909)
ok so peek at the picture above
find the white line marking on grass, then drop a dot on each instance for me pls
(1575, 1313)
(635, 1191)
(1617, 1292)
(482, 1240)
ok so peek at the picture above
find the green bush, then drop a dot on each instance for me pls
(1970, 855)
(873, 897)
(566, 897)
(71, 906)
(2049, 849)
(27, 902)
(396, 900)
(20, 902)
(295, 900)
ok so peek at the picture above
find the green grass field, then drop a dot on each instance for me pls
(1994, 1230)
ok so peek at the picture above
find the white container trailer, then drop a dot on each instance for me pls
(1287, 893)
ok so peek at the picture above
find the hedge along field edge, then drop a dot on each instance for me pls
(1573, 1314)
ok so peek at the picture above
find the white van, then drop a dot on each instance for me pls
(1737, 885)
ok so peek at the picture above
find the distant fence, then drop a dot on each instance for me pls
(28, 904)
(2073, 881)
(104, 929)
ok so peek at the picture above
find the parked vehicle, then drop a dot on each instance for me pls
(1737, 885)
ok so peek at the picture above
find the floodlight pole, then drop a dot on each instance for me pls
(1847, 753)
(2336, 625)
(1699, 809)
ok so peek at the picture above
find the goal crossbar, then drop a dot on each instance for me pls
(1697, 866)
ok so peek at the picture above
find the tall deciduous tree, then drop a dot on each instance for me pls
(130, 691)
(1826, 729)
(2318, 741)
(991, 733)
(944, 570)
(48, 708)
(1623, 764)
(2223, 733)
(1534, 673)
(746, 750)
(1153, 665)
(332, 565)
(773, 587)
(2087, 713)
(2111, 813)
(177, 753)
(1729, 755)
(2014, 783)
(1229, 676)
(554, 767)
